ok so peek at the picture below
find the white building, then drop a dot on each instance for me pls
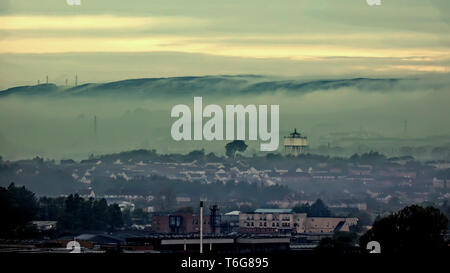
(285, 221)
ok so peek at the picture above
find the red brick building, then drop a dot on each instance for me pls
(182, 223)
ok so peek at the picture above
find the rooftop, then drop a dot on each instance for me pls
(273, 211)
(234, 212)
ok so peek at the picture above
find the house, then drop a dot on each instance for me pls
(440, 183)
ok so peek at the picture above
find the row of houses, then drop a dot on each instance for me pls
(213, 171)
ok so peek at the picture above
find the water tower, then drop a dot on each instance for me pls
(295, 142)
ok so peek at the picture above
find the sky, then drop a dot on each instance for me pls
(108, 40)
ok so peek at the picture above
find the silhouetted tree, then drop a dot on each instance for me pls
(340, 243)
(50, 209)
(141, 217)
(81, 214)
(364, 219)
(196, 155)
(115, 216)
(101, 212)
(317, 209)
(235, 146)
(412, 229)
(303, 208)
(126, 216)
(18, 206)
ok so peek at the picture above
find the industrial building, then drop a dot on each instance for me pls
(184, 223)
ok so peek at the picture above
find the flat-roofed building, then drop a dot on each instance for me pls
(271, 221)
(328, 224)
(285, 221)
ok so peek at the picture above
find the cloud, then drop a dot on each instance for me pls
(424, 68)
(301, 38)
(43, 34)
(209, 46)
(96, 22)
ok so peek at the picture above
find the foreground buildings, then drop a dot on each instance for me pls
(183, 223)
(261, 221)
(285, 221)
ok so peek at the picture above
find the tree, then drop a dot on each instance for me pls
(412, 229)
(90, 214)
(74, 214)
(196, 155)
(364, 219)
(303, 208)
(446, 209)
(126, 215)
(317, 209)
(50, 209)
(235, 146)
(18, 206)
(115, 216)
(101, 212)
(340, 243)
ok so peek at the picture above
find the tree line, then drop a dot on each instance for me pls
(19, 206)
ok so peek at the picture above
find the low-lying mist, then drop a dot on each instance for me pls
(385, 117)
